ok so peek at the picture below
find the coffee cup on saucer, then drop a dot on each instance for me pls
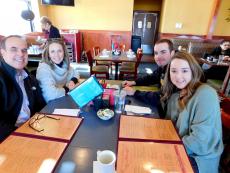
(105, 162)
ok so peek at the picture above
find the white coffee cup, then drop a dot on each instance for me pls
(106, 160)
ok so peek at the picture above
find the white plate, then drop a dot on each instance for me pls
(131, 56)
(105, 114)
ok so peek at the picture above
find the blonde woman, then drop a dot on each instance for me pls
(55, 75)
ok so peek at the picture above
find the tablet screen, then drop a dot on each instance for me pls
(86, 91)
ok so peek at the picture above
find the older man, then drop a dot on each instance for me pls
(20, 95)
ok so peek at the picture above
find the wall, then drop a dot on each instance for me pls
(94, 15)
(148, 5)
(222, 26)
(195, 16)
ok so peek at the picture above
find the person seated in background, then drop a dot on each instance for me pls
(20, 94)
(54, 73)
(47, 26)
(194, 109)
(163, 51)
(223, 49)
(217, 72)
(49, 29)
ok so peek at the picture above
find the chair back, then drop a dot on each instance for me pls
(96, 51)
(225, 89)
(90, 58)
(122, 47)
(139, 56)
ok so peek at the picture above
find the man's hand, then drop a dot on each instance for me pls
(71, 85)
(129, 91)
(226, 58)
(128, 83)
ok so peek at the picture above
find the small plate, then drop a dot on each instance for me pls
(105, 114)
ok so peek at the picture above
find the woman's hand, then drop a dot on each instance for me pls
(129, 91)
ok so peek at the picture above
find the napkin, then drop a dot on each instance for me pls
(131, 56)
(104, 56)
(69, 112)
(137, 109)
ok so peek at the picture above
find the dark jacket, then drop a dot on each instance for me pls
(217, 51)
(11, 98)
(154, 78)
(151, 98)
(54, 32)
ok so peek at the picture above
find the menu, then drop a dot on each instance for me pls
(22, 154)
(149, 129)
(145, 157)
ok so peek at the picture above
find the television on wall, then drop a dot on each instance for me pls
(58, 2)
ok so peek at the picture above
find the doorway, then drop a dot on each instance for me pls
(145, 25)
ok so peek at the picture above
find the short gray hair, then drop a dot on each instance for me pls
(44, 20)
(3, 42)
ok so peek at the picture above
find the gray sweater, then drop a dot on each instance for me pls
(53, 80)
(199, 126)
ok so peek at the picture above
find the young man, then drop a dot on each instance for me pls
(163, 51)
(20, 95)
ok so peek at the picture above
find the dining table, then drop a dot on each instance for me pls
(78, 153)
(94, 134)
(116, 59)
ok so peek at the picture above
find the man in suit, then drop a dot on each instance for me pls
(20, 95)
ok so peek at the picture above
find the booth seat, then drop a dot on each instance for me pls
(197, 47)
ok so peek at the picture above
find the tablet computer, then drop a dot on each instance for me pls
(86, 91)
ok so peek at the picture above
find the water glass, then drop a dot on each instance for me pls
(119, 101)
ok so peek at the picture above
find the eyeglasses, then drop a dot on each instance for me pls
(16, 50)
(35, 124)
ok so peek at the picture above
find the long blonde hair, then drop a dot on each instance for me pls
(46, 57)
(168, 88)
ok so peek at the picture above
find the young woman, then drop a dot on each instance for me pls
(195, 110)
(54, 73)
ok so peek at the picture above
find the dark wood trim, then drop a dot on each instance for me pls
(219, 37)
(190, 36)
(172, 35)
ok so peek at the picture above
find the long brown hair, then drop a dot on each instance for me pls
(46, 57)
(168, 88)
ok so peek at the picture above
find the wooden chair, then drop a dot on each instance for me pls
(98, 69)
(122, 47)
(131, 68)
(96, 52)
(139, 50)
(225, 89)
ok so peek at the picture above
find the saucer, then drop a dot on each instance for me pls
(105, 114)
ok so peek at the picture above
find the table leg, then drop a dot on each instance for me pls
(116, 71)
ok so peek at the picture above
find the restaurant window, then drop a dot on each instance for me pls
(11, 20)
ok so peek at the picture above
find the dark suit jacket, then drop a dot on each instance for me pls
(11, 98)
